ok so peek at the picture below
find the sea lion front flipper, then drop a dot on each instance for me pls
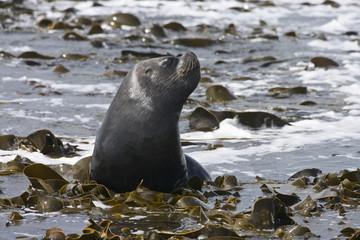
(195, 169)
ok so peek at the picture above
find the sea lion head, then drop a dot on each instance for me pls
(168, 80)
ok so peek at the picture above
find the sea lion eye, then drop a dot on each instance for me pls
(147, 71)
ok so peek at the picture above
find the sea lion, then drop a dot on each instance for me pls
(139, 139)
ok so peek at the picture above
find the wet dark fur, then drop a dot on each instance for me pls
(139, 138)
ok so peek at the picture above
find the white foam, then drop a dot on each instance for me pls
(335, 44)
(218, 156)
(19, 49)
(228, 129)
(102, 106)
(37, 157)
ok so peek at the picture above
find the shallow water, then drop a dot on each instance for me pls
(72, 105)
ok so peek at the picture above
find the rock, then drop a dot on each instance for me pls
(323, 62)
(218, 93)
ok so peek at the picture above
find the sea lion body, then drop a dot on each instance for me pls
(139, 139)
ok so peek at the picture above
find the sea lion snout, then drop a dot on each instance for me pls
(189, 59)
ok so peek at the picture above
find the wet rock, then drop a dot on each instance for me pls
(45, 142)
(119, 19)
(258, 59)
(115, 73)
(292, 90)
(95, 29)
(32, 54)
(9, 142)
(207, 28)
(267, 64)
(231, 29)
(331, 3)
(242, 79)
(74, 36)
(45, 23)
(220, 62)
(4, 54)
(60, 69)
(63, 26)
(323, 62)
(193, 42)
(351, 33)
(256, 32)
(174, 26)
(201, 119)
(83, 21)
(266, 4)
(97, 43)
(310, 172)
(240, 9)
(156, 30)
(218, 52)
(218, 93)
(252, 119)
(291, 34)
(138, 38)
(32, 63)
(75, 56)
(320, 36)
(269, 213)
(308, 103)
(282, 92)
(267, 36)
(205, 80)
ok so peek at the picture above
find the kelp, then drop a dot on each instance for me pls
(211, 206)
